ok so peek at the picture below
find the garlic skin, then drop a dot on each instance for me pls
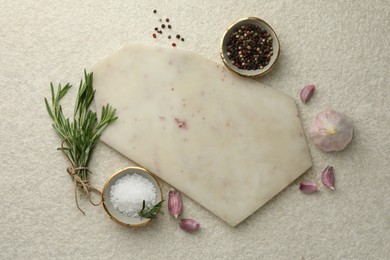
(331, 130)
(327, 177)
(308, 187)
(175, 204)
(189, 225)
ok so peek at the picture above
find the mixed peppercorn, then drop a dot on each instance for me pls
(163, 27)
(249, 47)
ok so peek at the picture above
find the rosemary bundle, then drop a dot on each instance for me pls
(80, 133)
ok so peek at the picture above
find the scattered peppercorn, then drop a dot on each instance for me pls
(159, 29)
(249, 47)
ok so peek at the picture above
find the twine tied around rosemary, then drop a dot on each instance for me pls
(80, 132)
(78, 182)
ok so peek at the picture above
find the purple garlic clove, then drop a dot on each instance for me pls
(306, 93)
(189, 225)
(308, 186)
(327, 177)
(331, 130)
(174, 203)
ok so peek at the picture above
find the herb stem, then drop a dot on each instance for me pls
(152, 212)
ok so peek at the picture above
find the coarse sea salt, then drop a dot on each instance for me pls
(129, 192)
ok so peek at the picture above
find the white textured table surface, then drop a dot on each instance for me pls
(340, 47)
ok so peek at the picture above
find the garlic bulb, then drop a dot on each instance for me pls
(331, 130)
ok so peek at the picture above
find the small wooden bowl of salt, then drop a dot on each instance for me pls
(126, 192)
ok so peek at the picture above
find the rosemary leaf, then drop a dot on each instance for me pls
(152, 212)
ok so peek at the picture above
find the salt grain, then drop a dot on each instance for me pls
(128, 193)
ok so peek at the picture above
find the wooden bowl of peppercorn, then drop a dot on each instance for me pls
(250, 47)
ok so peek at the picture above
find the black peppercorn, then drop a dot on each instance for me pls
(154, 11)
(163, 26)
(167, 20)
(178, 36)
(249, 47)
(169, 26)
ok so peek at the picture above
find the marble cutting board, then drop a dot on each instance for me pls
(230, 143)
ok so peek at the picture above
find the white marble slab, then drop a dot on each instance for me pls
(230, 143)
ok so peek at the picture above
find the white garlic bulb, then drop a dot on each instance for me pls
(331, 130)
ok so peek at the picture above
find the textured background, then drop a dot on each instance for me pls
(342, 47)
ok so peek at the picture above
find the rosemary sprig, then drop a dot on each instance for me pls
(80, 133)
(152, 212)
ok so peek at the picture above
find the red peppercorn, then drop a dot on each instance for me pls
(173, 44)
(154, 35)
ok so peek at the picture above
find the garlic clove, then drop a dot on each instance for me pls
(327, 177)
(331, 130)
(308, 187)
(175, 204)
(189, 225)
(306, 93)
